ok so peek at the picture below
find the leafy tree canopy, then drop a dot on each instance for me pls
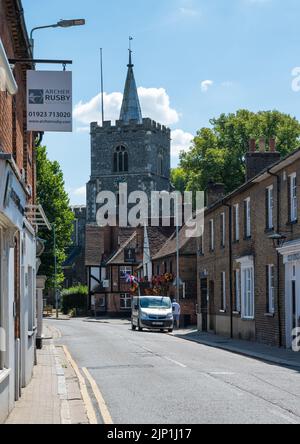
(52, 196)
(218, 153)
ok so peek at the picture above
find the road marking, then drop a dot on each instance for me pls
(100, 400)
(83, 389)
(176, 362)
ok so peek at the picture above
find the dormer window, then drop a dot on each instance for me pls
(121, 160)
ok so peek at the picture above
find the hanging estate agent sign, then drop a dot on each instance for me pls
(49, 101)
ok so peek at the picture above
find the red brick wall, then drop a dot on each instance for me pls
(260, 247)
(14, 138)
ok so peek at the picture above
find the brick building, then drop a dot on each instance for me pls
(18, 262)
(248, 259)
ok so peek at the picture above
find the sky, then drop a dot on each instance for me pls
(194, 59)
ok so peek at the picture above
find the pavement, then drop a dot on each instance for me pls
(54, 394)
(279, 356)
(153, 378)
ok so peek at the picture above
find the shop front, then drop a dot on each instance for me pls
(17, 287)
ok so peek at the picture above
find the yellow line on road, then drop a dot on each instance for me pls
(101, 403)
(83, 388)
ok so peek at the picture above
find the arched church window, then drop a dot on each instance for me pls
(160, 165)
(121, 161)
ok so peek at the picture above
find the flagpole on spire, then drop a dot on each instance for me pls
(130, 52)
(102, 86)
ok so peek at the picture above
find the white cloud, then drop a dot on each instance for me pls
(77, 195)
(88, 112)
(206, 84)
(155, 103)
(181, 141)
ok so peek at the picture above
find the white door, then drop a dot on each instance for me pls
(292, 301)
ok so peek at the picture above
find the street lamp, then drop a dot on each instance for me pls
(60, 24)
(278, 239)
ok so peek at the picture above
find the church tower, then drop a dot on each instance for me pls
(134, 150)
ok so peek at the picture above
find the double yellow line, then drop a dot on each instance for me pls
(91, 414)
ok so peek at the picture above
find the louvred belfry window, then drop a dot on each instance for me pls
(121, 163)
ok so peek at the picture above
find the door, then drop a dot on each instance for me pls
(212, 313)
(204, 304)
(293, 321)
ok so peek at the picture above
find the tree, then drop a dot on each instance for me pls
(218, 153)
(52, 196)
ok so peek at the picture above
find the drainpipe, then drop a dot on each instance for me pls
(230, 268)
(278, 257)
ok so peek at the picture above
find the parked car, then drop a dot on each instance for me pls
(153, 313)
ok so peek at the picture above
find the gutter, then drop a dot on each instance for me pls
(7, 80)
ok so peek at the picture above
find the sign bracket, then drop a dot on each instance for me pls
(41, 61)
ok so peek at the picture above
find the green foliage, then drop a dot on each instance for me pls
(75, 300)
(52, 196)
(218, 153)
(79, 289)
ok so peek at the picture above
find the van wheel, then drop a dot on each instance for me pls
(170, 330)
(140, 328)
(133, 327)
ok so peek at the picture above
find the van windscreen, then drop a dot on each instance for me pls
(159, 303)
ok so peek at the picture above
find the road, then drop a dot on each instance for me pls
(153, 378)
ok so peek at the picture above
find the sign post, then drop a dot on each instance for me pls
(49, 101)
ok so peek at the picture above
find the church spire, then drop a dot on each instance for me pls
(131, 109)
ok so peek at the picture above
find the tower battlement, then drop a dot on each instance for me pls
(133, 125)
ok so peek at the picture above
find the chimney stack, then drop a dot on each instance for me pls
(215, 192)
(258, 161)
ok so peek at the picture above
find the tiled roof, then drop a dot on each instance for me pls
(187, 245)
(157, 238)
(94, 246)
(118, 257)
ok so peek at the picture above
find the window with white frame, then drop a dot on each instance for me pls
(223, 291)
(211, 235)
(248, 293)
(125, 301)
(125, 271)
(271, 289)
(293, 198)
(236, 222)
(270, 207)
(247, 205)
(237, 302)
(223, 229)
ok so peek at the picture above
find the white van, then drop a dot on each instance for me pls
(153, 313)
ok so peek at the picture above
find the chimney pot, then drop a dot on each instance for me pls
(252, 145)
(262, 145)
(272, 145)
